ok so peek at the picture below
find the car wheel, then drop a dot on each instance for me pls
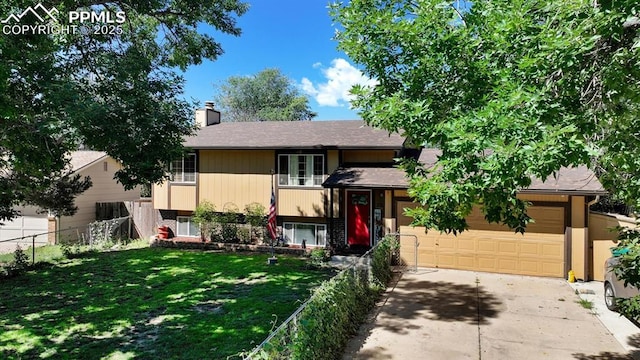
(609, 297)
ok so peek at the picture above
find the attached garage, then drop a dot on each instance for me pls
(556, 242)
(493, 248)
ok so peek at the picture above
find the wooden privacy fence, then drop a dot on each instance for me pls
(142, 219)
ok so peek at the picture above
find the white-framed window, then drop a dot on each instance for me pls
(184, 170)
(300, 170)
(186, 226)
(312, 234)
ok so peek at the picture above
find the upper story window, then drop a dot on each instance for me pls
(184, 170)
(300, 170)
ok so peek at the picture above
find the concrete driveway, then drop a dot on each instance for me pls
(452, 314)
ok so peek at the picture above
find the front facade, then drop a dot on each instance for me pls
(336, 186)
(236, 164)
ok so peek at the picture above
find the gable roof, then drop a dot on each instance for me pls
(83, 158)
(579, 180)
(346, 134)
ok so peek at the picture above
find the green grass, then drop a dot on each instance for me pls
(150, 304)
(52, 253)
(585, 304)
(46, 253)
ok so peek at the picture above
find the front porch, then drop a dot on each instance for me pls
(367, 199)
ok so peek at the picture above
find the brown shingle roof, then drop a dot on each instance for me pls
(354, 134)
(579, 180)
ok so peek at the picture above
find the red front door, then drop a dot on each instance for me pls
(358, 217)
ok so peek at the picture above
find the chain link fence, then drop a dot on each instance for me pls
(98, 233)
(373, 269)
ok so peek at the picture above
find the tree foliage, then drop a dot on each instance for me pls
(115, 92)
(506, 89)
(266, 96)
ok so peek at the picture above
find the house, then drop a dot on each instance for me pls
(335, 184)
(101, 169)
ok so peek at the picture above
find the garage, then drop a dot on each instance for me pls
(491, 247)
(29, 223)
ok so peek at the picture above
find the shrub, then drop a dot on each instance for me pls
(382, 258)
(334, 312)
(319, 256)
(255, 214)
(17, 266)
(206, 217)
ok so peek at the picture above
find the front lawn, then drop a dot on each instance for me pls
(150, 303)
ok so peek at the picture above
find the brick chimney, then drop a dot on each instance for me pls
(207, 116)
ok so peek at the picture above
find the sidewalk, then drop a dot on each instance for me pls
(626, 332)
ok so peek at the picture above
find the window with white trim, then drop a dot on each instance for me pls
(186, 226)
(300, 170)
(311, 234)
(184, 170)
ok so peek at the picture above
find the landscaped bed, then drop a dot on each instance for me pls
(150, 303)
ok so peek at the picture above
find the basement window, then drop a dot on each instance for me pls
(312, 234)
(186, 227)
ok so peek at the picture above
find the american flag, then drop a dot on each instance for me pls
(271, 221)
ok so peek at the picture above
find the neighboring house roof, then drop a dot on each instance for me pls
(579, 180)
(346, 134)
(83, 158)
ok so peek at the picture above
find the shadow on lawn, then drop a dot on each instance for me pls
(150, 303)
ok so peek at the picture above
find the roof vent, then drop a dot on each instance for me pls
(207, 116)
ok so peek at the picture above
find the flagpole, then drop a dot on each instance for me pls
(273, 191)
(272, 221)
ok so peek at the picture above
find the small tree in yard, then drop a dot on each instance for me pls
(206, 217)
(255, 216)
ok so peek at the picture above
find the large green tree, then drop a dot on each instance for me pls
(506, 89)
(266, 96)
(116, 89)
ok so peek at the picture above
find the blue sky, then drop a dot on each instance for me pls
(294, 36)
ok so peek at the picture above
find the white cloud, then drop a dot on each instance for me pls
(340, 76)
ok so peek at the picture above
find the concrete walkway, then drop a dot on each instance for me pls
(452, 314)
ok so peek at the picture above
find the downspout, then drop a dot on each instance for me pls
(593, 201)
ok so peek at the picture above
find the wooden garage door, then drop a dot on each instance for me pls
(493, 248)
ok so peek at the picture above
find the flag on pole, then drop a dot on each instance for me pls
(271, 220)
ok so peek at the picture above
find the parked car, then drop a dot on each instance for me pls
(613, 287)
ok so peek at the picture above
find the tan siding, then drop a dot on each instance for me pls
(333, 161)
(302, 202)
(400, 193)
(602, 240)
(236, 176)
(368, 156)
(542, 197)
(160, 195)
(104, 189)
(402, 219)
(183, 197)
